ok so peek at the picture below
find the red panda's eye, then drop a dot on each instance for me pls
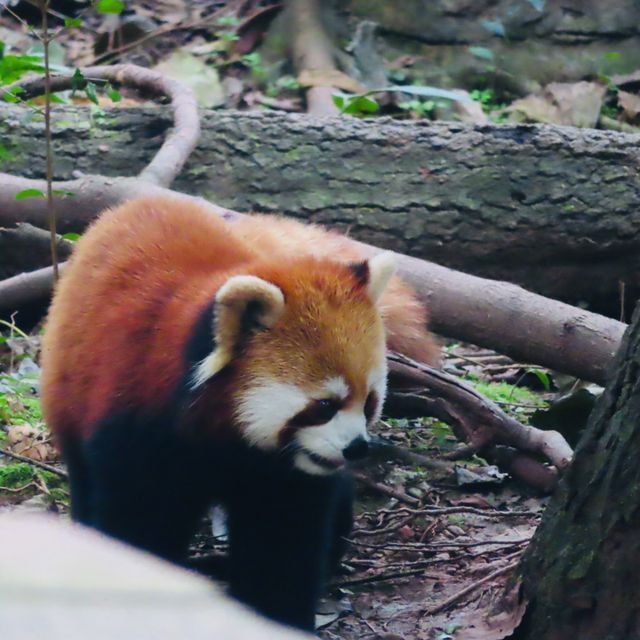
(317, 412)
(370, 405)
(322, 411)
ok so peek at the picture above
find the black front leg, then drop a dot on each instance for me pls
(281, 533)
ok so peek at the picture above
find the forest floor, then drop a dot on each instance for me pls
(429, 556)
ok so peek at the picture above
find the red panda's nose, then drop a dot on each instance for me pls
(358, 448)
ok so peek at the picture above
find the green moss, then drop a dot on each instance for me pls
(16, 474)
(502, 392)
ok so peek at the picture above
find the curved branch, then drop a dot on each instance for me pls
(179, 144)
(474, 418)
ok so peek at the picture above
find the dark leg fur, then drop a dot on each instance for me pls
(282, 530)
(79, 479)
(139, 482)
(147, 487)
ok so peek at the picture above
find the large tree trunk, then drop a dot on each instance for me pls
(581, 570)
(554, 209)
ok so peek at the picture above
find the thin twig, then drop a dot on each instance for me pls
(388, 491)
(387, 576)
(35, 463)
(445, 604)
(46, 41)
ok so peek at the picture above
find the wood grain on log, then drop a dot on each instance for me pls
(554, 209)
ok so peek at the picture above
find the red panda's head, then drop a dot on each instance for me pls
(307, 345)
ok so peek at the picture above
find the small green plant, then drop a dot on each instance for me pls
(418, 108)
(254, 62)
(361, 104)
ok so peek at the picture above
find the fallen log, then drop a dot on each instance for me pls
(554, 209)
(497, 315)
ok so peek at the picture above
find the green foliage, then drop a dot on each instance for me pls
(73, 22)
(505, 393)
(363, 104)
(114, 95)
(419, 108)
(254, 62)
(13, 67)
(16, 475)
(109, 6)
(356, 105)
(29, 193)
(487, 98)
(5, 154)
(73, 237)
(90, 90)
(18, 402)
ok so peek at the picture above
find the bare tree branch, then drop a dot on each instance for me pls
(179, 144)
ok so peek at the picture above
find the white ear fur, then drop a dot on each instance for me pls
(231, 303)
(381, 269)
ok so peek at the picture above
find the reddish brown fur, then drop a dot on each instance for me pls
(405, 317)
(138, 279)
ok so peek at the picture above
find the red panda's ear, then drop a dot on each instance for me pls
(375, 273)
(243, 305)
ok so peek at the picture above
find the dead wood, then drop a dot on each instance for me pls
(477, 421)
(497, 315)
(553, 209)
(27, 248)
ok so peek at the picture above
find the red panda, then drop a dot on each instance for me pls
(187, 362)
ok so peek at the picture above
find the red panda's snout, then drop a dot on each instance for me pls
(320, 427)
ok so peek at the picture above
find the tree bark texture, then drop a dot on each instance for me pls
(580, 572)
(554, 209)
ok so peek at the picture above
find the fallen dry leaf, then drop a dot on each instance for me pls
(30, 442)
(505, 616)
(569, 103)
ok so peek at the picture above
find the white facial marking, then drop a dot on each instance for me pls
(265, 408)
(328, 440)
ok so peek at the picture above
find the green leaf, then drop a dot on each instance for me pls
(57, 99)
(62, 192)
(29, 193)
(90, 90)
(481, 52)
(12, 95)
(543, 376)
(73, 22)
(77, 81)
(361, 104)
(109, 6)
(71, 236)
(612, 55)
(114, 95)
(12, 68)
(338, 100)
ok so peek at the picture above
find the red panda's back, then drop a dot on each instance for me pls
(124, 307)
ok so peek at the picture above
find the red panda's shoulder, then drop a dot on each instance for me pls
(126, 304)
